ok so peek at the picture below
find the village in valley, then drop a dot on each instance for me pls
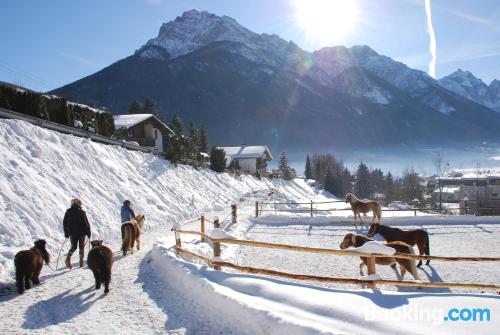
(158, 195)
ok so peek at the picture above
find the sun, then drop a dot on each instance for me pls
(326, 21)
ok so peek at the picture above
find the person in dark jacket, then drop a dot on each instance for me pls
(126, 212)
(76, 227)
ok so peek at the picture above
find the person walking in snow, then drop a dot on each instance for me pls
(126, 212)
(76, 227)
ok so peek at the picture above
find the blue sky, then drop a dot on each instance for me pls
(46, 44)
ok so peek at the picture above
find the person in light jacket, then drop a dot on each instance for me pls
(126, 212)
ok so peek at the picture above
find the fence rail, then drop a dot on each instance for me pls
(259, 209)
(8, 114)
(371, 261)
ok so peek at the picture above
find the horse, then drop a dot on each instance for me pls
(363, 206)
(100, 261)
(411, 237)
(355, 240)
(131, 233)
(28, 264)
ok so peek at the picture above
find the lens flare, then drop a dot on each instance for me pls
(326, 21)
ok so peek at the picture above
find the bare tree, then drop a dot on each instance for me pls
(441, 167)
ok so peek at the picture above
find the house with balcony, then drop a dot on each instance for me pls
(249, 159)
(145, 129)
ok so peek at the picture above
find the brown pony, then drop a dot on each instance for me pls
(28, 264)
(363, 206)
(354, 240)
(131, 233)
(100, 261)
(416, 236)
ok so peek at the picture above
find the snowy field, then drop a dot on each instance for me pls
(156, 291)
(449, 236)
(283, 306)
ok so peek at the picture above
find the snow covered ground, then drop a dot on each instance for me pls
(41, 170)
(156, 291)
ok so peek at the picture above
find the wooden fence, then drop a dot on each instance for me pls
(217, 264)
(311, 209)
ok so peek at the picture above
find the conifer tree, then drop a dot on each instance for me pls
(203, 140)
(284, 169)
(330, 182)
(363, 187)
(150, 108)
(217, 160)
(135, 108)
(177, 143)
(308, 170)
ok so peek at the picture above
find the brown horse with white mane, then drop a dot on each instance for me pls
(363, 206)
(354, 240)
(411, 237)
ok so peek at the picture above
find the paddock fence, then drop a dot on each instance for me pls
(312, 207)
(217, 264)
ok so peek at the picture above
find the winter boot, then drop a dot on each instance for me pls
(81, 262)
(68, 262)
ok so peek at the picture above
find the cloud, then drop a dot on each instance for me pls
(456, 53)
(81, 60)
(153, 2)
(432, 37)
(472, 18)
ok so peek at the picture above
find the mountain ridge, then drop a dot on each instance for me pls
(210, 69)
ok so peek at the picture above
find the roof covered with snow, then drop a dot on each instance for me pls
(130, 120)
(245, 151)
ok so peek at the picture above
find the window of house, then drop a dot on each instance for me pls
(156, 134)
(494, 195)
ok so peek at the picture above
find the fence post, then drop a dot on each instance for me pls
(311, 208)
(177, 241)
(216, 252)
(371, 269)
(234, 216)
(415, 212)
(202, 227)
(216, 223)
(256, 209)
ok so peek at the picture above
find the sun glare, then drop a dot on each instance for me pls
(326, 21)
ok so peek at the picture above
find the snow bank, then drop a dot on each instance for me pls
(262, 305)
(220, 234)
(374, 247)
(41, 170)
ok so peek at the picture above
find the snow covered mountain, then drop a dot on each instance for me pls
(259, 88)
(467, 85)
(194, 30)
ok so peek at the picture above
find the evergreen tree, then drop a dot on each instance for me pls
(192, 143)
(284, 169)
(176, 151)
(150, 108)
(347, 180)
(217, 160)
(363, 187)
(377, 180)
(308, 170)
(389, 190)
(203, 140)
(135, 108)
(330, 182)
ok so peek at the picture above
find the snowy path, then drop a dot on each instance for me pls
(66, 301)
(139, 302)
